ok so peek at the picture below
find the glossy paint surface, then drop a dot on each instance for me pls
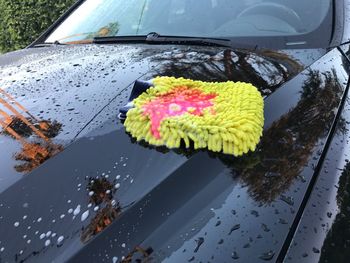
(323, 233)
(56, 93)
(346, 17)
(105, 198)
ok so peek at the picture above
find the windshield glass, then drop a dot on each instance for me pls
(197, 18)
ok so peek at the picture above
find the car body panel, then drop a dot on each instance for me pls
(93, 194)
(323, 234)
(345, 28)
(66, 87)
(171, 205)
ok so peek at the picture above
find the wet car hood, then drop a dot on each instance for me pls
(69, 170)
(64, 88)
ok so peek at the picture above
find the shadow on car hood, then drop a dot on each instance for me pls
(157, 204)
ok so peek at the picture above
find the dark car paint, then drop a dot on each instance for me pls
(176, 206)
(71, 85)
(323, 233)
(344, 28)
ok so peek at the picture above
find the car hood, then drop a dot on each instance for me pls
(60, 90)
(69, 170)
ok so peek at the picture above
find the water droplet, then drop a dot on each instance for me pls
(60, 239)
(235, 227)
(84, 216)
(254, 213)
(282, 221)
(265, 228)
(268, 255)
(76, 210)
(235, 255)
(199, 242)
(287, 199)
(315, 250)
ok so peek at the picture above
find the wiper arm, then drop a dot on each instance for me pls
(154, 38)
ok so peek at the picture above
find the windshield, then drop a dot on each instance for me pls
(196, 18)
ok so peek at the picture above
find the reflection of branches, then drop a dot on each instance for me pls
(101, 192)
(287, 145)
(280, 60)
(266, 70)
(102, 219)
(341, 126)
(139, 251)
(20, 124)
(336, 246)
(109, 30)
(48, 128)
(34, 154)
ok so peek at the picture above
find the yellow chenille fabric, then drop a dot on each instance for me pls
(232, 125)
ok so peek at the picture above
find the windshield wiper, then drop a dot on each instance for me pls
(49, 44)
(154, 38)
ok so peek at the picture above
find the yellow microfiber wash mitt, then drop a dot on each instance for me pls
(224, 117)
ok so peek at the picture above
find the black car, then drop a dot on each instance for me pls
(76, 187)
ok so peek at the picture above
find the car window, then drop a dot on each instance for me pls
(199, 18)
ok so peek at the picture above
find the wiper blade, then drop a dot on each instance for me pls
(154, 38)
(119, 39)
(49, 44)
